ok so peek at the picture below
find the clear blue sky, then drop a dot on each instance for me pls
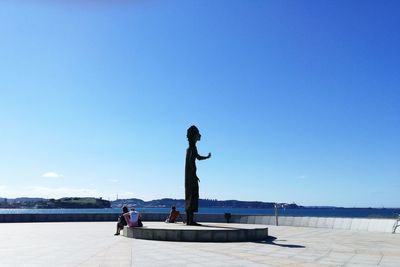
(298, 101)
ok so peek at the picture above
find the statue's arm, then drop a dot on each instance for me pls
(203, 157)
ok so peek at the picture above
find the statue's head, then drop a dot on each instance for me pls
(193, 134)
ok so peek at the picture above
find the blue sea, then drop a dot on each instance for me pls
(313, 212)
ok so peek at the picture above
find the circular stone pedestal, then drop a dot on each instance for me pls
(206, 232)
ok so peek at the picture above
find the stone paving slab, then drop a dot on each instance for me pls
(93, 244)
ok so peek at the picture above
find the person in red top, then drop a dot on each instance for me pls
(173, 215)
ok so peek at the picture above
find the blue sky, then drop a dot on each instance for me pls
(296, 101)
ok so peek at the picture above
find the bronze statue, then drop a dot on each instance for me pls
(191, 179)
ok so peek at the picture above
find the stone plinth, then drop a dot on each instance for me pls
(206, 232)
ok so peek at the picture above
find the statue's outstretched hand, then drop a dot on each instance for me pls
(209, 155)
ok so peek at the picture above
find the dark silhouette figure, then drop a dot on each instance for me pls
(121, 221)
(191, 179)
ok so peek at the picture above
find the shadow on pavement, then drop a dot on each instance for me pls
(271, 241)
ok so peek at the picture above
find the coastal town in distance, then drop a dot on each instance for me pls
(90, 202)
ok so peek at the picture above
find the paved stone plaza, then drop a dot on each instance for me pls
(93, 244)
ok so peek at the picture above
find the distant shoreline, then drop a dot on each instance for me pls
(99, 203)
(306, 212)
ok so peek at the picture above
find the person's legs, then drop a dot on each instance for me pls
(119, 228)
(117, 232)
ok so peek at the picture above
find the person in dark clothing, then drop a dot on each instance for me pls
(191, 179)
(121, 220)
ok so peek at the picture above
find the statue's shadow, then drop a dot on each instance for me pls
(271, 240)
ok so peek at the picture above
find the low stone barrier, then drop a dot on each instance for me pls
(65, 217)
(354, 224)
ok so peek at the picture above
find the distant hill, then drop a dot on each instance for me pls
(23, 199)
(77, 203)
(205, 203)
(89, 202)
(66, 203)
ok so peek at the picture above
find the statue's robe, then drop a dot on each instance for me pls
(191, 180)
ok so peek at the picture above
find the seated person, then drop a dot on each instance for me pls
(133, 218)
(121, 220)
(173, 215)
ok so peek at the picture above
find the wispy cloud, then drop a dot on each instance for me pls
(301, 177)
(51, 175)
(57, 192)
(113, 180)
(49, 192)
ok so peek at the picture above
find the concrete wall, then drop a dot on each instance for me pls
(354, 224)
(10, 218)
